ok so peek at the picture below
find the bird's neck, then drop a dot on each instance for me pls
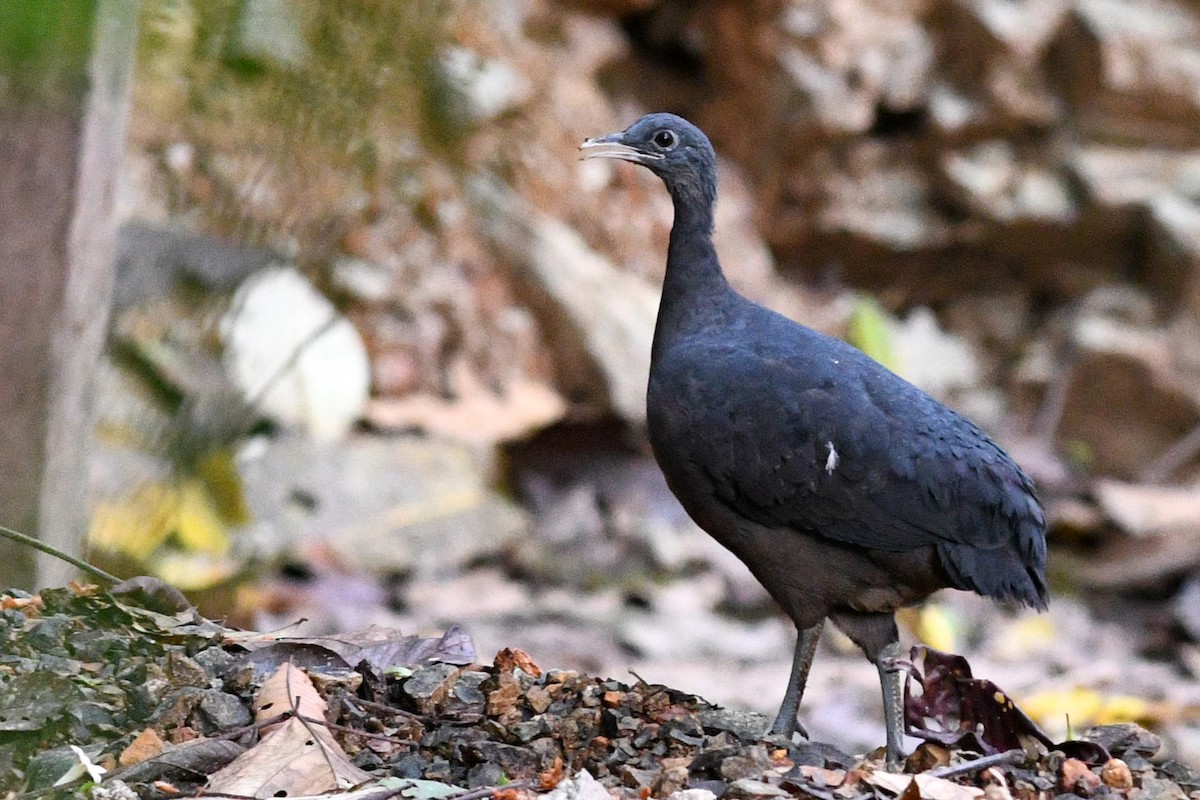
(695, 292)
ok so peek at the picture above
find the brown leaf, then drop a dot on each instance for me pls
(927, 786)
(381, 648)
(511, 658)
(297, 759)
(287, 689)
(146, 744)
(297, 756)
(832, 778)
(550, 778)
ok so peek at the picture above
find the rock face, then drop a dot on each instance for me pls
(1018, 179)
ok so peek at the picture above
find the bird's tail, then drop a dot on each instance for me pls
(1000, 572)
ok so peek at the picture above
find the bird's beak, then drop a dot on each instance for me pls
(611, 146)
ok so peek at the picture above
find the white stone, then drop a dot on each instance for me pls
(278, 317)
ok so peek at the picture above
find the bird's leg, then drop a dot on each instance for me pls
(893, 703)
(806, 647)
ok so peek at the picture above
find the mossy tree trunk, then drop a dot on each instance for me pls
(65, 71)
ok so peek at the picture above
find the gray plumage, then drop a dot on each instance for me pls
(847, 491)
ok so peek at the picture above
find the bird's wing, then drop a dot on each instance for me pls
(845, 450)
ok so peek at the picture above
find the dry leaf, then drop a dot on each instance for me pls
(930, 787)
(511, 658)
(380, 647)
(832, 778)
(297, 756)
(476, 415)
(287, 689)
(1145, 510)
(147, 744)
(298, 759)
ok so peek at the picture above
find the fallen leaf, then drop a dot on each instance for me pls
(549, 778)
(1146, 510)
(511, 658)
(1086, 707)
(146, 744)
(476, 414)
(955, 708)
(832, 778)
(929, 786)
(381, 648)
(298, 756)
(287, 689)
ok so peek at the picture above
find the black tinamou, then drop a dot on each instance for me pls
(847, 491)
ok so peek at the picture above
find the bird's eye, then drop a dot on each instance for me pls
(665, 139)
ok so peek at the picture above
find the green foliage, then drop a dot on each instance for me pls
(869, 331)
(44, 49)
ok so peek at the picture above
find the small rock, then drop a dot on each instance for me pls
(183, 671)
(672, 780)
(1116, 775)
(736, 768)
(484, 775)
(215, 661)
(529, 730)
(1160, 789)
(695, 793)
(223, 711)
(1078, 777)
(636, 778)
(747, 787)
(516, 762)
(429, 685)
(538, 699)
(581, 787)
(294, 355)
(745, 725)
(819, 754)
(1123, 737)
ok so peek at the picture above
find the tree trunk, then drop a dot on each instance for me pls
(65, 73)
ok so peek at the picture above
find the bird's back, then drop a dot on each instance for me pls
(800, 433)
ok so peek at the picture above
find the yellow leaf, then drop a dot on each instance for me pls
(192, 572)
(198, 525)
(938, 628)
(137, 524)
(1084, 707)
(1026, 636)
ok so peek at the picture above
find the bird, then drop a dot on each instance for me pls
(846, 490)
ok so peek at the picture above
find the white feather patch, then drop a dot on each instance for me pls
(832, 461)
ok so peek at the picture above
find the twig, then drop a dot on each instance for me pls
(253, 726)
(1173, 458)
(1007, 757)
(384, 708)
(29, 541)
(383, 737)
(487, 791)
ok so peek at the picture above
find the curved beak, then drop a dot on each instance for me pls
(611, 146)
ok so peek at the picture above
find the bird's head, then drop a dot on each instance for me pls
(670, 147)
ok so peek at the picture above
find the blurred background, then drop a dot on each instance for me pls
(378, 341)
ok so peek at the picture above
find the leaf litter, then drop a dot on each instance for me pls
(162, 699)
